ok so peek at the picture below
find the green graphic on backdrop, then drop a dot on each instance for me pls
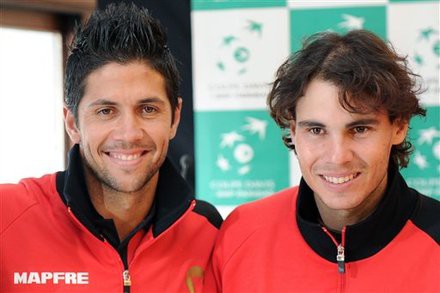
(423, 172)
(235, 49)
(240, 156)
(305, 22)
(426, 58)
(232, 4)
(427, 48)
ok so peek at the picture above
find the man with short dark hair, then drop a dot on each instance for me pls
(120, 218)
(352, 225)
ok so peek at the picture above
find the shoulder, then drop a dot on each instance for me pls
(208, 211)
(253, 223)
(246, 219)
(15, 195)
(426, 216)
(17, 199)
(268, 209)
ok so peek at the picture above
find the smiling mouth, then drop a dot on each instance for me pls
(125, 157)
(340, 180)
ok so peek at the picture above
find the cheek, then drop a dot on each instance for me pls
(161, 149)
(304, 145)
(91, 138)
(306, 154)
(160, 136)
(377, 156)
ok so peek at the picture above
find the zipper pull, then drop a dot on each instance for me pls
(340, 258)
(126, 277)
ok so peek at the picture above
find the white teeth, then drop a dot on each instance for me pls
(339, 180)
(125, 157)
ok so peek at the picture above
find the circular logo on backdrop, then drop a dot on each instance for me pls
(235, 49)
(427, 49)
(427, 154)
(423, 172)
(236, 152)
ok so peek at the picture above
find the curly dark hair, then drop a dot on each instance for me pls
(370, 76)
(121, 33)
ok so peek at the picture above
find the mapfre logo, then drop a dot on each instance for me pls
(74, 278)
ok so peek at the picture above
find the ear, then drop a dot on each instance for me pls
(71, 127)
(175, 123)
(399, 132)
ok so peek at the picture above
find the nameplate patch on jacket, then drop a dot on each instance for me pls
(74, 278)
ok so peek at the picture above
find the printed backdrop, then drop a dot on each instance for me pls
(237, 47)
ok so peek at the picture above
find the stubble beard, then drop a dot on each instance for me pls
(102, 176)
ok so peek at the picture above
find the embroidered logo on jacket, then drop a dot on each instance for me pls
(194, 277)
(76, 278)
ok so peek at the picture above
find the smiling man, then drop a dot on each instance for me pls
(120, 218)
(352, 224)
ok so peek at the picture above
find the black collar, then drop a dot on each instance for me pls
(363, 239)
(173, 197)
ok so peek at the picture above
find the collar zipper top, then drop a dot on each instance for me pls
(340, 255)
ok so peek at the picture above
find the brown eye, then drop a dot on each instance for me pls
(360, 129)
(316, 130)
(148, 110)
(105, 111)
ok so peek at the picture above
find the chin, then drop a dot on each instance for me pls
(128, 188)
(340, 201)
(341, 206)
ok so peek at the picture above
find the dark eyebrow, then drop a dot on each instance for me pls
(102, 102)
(151, 100)
(105, 102)
(362, 122)
(310, 123)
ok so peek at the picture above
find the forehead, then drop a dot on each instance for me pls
(124, 83)
(321, 101)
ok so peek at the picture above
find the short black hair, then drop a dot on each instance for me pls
(120, 33)
(370, 76)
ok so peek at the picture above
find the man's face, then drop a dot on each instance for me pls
(343, 156)
(124, 125)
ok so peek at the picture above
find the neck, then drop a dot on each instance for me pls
(127, 210)
(336, 219)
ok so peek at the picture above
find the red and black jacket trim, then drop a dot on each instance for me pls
(399, 205)
(173, 197)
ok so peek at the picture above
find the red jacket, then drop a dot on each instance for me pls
(46, 246)
(277, 245)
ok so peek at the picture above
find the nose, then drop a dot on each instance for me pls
(129, 128)
(340, 150)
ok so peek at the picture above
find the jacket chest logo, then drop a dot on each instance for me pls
(73, 278)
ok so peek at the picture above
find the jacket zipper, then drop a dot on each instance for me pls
(126, 273)
(127, 280)
(340, 256)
